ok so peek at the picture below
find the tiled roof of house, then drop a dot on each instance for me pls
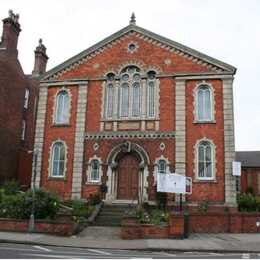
(248, 158)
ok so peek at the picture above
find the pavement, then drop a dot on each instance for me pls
(109, 238)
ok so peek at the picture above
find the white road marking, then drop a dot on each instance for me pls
(245, 256)
(163, 253)
(42, 248)
(98, 251)
(52, 256)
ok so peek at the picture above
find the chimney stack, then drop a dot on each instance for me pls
(11, 30)
(40, 61)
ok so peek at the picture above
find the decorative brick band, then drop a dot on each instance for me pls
(79, 142)
(128, 134)
(229, 141)
(39, 134)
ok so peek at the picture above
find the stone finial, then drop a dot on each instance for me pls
(40, 42)
(133, 20)
(10, 13)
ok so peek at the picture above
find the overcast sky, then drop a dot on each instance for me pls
(224, 29)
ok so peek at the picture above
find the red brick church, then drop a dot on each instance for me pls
(132, 105)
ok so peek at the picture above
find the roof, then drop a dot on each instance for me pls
(171, 45)
(248, 158)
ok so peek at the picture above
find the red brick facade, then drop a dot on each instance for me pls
(15, 156)
(89, 135)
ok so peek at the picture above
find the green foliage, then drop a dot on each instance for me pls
(247, 202)
(250, 190)
(203, 207)
(11, 187)
(46, 204)
(142, 216)
(159, 216)
(19, 205)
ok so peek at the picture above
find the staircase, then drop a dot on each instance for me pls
(111, 215)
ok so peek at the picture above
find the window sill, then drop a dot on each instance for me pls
(128, 119)
(93, 183)
(204, 122)
(61, 125)
(203, 181)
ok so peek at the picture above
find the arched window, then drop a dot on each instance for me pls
(151, 94)
(130, 104)
(124, 99)
(136, 100)
(204, 103)
(62, 108)
(205, 154)
(162, 166)
(110, 99)
(94, 171)
(58, 160)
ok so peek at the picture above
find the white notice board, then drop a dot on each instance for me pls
(236, 166)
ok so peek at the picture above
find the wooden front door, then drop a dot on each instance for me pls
(128, 173)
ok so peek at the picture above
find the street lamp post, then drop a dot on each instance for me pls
(32, 220)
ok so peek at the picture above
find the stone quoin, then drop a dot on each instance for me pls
(134, 104)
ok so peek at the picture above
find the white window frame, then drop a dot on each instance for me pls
(212, 102)
(56, 121)
(51, 161)
(213, 163)
(26, 98)
(23, 130)
(156, 165)
(108, 101)
(89, 171)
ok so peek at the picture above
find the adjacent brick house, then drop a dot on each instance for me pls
(18, 100)
(250, 172)
(134, 104)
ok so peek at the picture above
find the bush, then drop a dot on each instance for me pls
(20, 205)
(46, 204)
(159, 216)
(247, 202)
(250, 190)
(11, 187)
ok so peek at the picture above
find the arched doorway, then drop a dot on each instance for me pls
(128, 178)
(127, 173)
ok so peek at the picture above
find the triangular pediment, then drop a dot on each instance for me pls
(160, 41)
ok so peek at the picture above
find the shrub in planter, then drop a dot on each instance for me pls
(11, 187)
(248, 203)
(159, 217)
(20, 205)
(46, 204)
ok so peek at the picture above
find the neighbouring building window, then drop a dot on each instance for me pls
(62, 108)
(58, 159)
(131, 94)
(26, 98)
(205, 155)
(204, 103)
(162, 166)
(94, 175)
(23, 130)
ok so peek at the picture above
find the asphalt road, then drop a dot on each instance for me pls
(19, 251)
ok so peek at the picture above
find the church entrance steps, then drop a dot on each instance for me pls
(111, 215)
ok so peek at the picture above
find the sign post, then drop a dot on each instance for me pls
(174, 183)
